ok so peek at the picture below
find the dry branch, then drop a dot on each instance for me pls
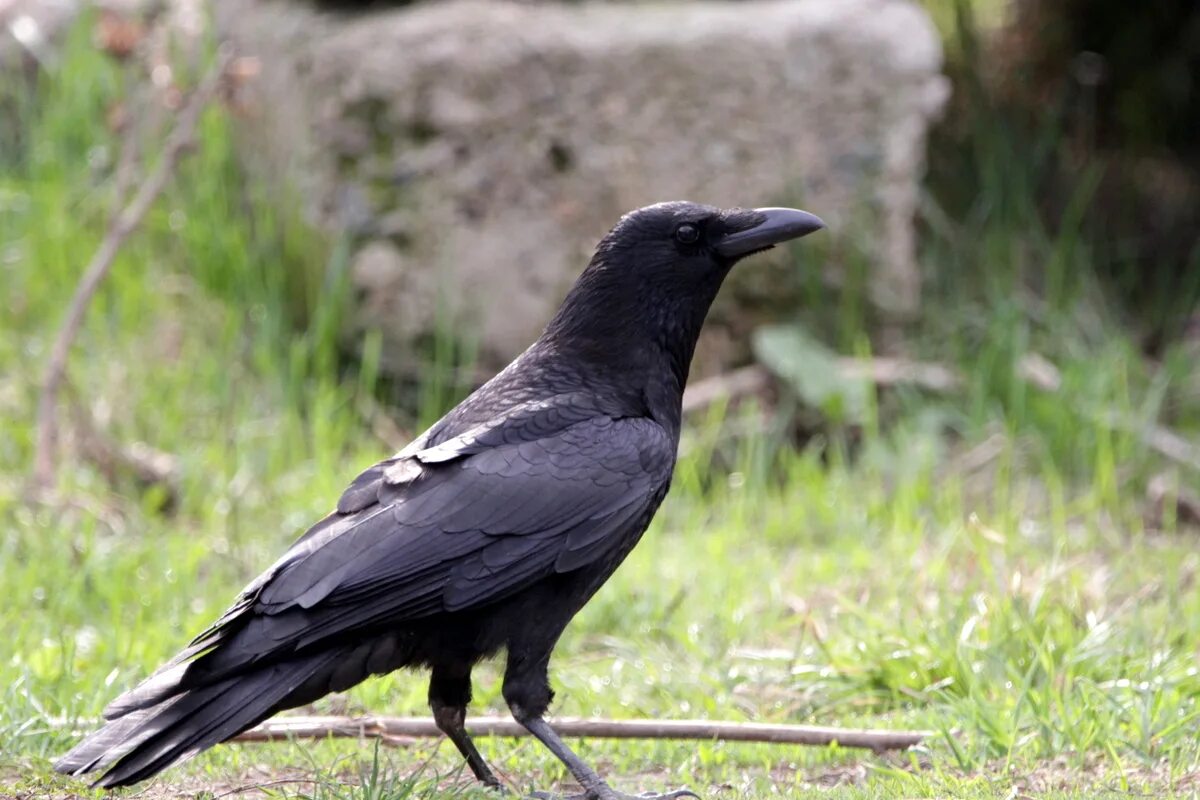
(751, 380)
(755, 379)
(398, 729)
(1168, 499)
(121, 226)
(896, 371)
(148, 465)
(1170, 444)
(1036, 369)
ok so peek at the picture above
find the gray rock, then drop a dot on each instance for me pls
(476, 151)
(30, 31)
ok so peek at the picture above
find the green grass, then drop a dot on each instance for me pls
(885, 575)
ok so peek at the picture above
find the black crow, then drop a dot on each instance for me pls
(488, 532)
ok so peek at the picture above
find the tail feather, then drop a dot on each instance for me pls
(154, 691)
(148, 740)
(106, 745)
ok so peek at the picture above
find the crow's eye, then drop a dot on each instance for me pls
(687, 234)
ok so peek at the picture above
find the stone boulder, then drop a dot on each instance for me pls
(30, 29)
(476, 151)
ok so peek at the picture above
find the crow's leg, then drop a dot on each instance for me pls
(528, 694)
(449, 694)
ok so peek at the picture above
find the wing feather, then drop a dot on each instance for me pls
(474, 519)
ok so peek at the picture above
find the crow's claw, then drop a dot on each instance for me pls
(675, 795)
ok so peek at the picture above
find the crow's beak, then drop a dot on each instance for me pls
(778, 225)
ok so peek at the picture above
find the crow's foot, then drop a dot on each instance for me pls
(611, 794)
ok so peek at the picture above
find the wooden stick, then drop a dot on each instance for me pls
(1164, 488)
(731, 385)
(45, 454)
(901, 371)
(886, 372)
(148, 465)
(1170, 444)
(399, 729)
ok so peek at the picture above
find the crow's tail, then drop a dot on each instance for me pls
(143, 742)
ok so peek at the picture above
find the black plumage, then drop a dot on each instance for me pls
(488, 532)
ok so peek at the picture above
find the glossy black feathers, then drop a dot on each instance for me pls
(487, 532)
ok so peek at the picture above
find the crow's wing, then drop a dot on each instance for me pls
(450, 526)
(468, 521)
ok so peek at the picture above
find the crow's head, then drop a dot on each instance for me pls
(676, 252)
(682, 241)
(655, 274)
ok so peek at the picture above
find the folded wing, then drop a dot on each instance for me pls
(461, 524)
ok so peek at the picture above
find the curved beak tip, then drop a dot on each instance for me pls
(778, 225)
(790, 223)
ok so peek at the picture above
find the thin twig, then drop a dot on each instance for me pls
(126, 168)
(45, 456)
(1168, 499)
(250, 787)
(751, 380)
(382, 425)
(393, 728)
(148, 465)
(975, 458)
(1170, 444)
(1036, 369)
(885, 372)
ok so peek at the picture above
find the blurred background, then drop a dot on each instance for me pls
(941, 466)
